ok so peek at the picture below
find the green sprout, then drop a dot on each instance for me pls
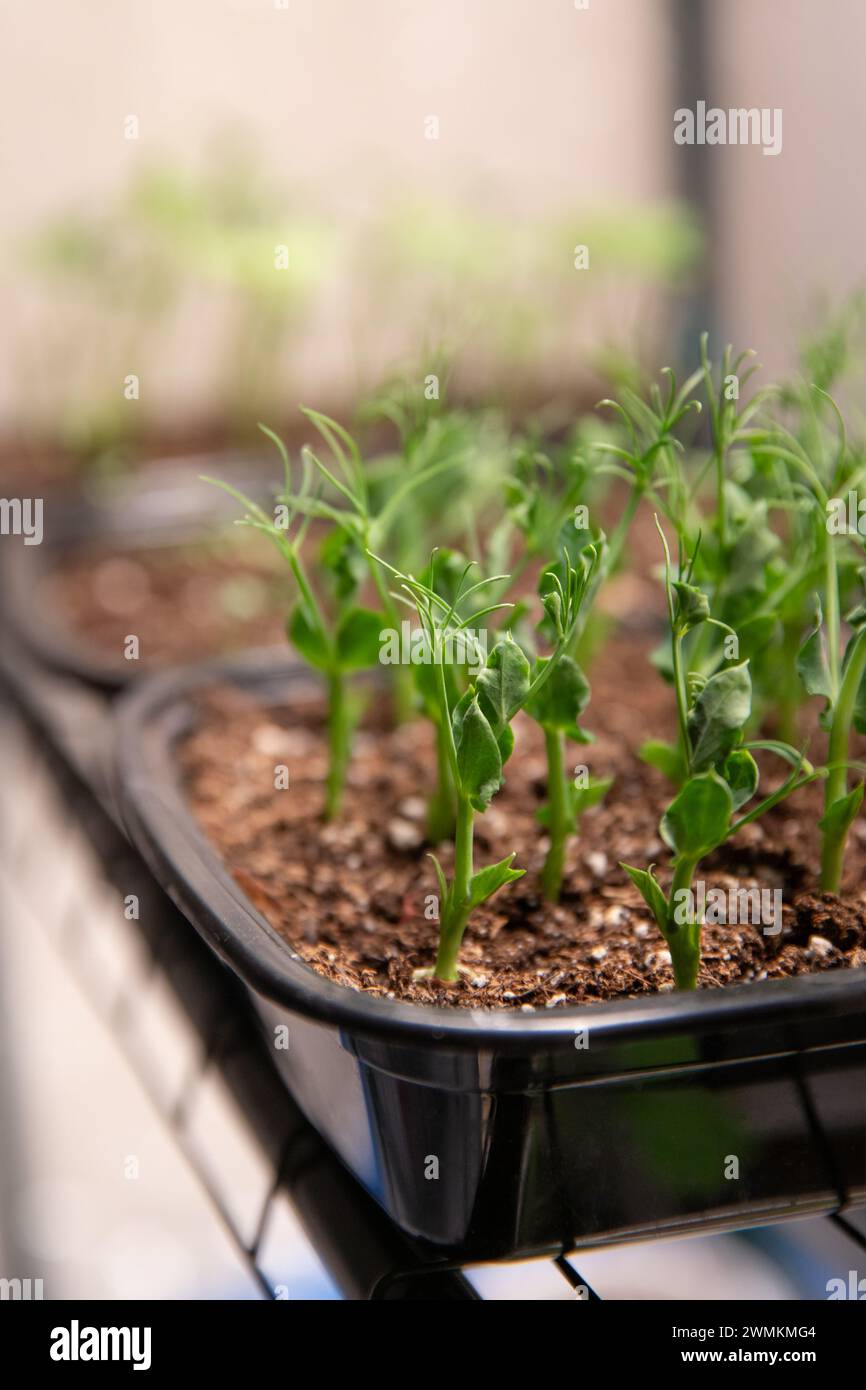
(337, 643)
(477, 724)
(827, 666)
(557, 705)
(720, 772)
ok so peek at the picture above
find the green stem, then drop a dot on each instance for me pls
(833, 844)
(441, 810)
(682, 698)
(403, 693)
(339, 742)
(831, 617)
(721, 520)
(456, 912)
(683, 938)
(620, 533)
(557, 807)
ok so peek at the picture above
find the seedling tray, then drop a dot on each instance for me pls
(555, 1130)
(168, 505)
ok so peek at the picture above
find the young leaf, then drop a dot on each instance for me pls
(443, 885)
(698, 819)
(488, 881)
(692, 606)
(358, 638)
(479, 761)
(307, 638)
(740, 771)
(341, 555)
(583, 798)
(812, 665)
(560, 701)
(579, 799)
(667, 758)
(784, 751)
(837, 820)
(651, 893)
(551, 602)
(718, 715)
(502, 685)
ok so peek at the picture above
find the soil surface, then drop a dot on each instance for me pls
(184, 603)
(350, 897)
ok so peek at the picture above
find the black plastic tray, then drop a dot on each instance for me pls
(542, 1144)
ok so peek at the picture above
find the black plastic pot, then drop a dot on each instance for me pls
(557, 1129)
(166, 505)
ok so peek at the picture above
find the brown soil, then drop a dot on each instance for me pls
(350, 897)
(183, 603)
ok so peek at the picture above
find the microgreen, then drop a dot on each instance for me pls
(756, 583)
(717, 768)
(828, 666)
(649, 458)
(557, 705)
(336, 641)
(477, 727)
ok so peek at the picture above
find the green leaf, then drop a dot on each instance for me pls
(740, 771)
(444, 572)
(836, 822)
(505, 742)
(488, 881)
(782, 750)
(667, 758)
(698, 819)
(479, 761)
(561, 699)
(551, 602)
(443, 885)
(692, 606)
(503, 684)
(858, 716)
(358, 639)
(718, 715)
(583, 798)
(754, 547)
(651, 893)
(579, 799)
(342, 556)
(812, 665)
(308, 638)
(426, 678)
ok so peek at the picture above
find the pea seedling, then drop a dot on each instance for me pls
(720, 775)
(338, 644)
(478, 731)
(556, 706)
(826, 668)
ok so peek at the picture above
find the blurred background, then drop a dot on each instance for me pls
(421, 175)
(216, 209)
